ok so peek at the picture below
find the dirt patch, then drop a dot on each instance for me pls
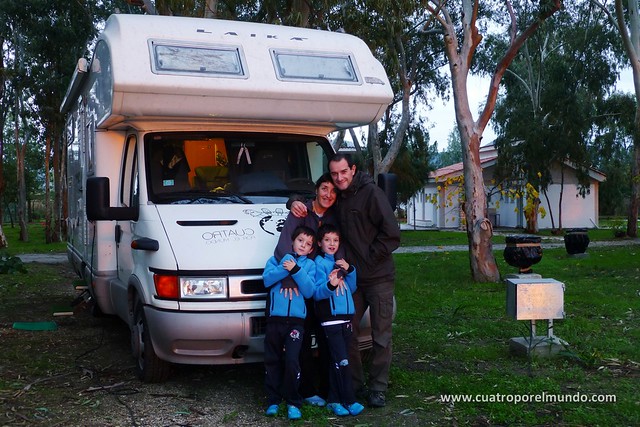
(82, 373)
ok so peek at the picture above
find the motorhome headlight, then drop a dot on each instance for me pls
(203, 287)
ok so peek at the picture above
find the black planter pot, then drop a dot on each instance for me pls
(576, 241)
(522, 251)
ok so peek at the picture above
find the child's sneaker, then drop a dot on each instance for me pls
(337, 409)
(355, 408)
(272, 411)
(293, 413)
(315, 401)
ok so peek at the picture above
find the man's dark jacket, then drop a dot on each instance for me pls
(369, 229)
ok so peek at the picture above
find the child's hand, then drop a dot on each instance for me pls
(343, 264)
(289, 264)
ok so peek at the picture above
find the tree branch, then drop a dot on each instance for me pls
(508, 58)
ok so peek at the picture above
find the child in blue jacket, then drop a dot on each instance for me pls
(335, 282)
(286, 311)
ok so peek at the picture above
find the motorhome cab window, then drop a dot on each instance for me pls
(309, 67)
(200, 60)
(230, 168)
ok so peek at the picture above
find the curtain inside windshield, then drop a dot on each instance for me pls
(184, 166)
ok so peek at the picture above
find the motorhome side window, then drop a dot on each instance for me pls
(318, 67)
(172, 58)
(205, 168)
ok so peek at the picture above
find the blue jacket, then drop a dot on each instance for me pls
(279, 307)
(330, 306)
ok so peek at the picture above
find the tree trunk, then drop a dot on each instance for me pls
(48, 228)
(631, 44)
(632, 218)
(211, 9)
(532, 216)
(3, 118)
(478, 226)
(561, 196)
(22, 187)
(459, 53)
(546, 197)
(383, 164)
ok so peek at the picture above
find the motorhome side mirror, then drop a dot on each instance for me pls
(98, 207)
(388, 183)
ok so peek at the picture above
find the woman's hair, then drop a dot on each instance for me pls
(326, 177)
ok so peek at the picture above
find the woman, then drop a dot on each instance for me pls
(319, 212)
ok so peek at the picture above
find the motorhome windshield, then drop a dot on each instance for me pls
(194, 168)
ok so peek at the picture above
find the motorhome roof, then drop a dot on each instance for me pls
(158, 67)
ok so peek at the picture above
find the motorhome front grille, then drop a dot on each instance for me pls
(249, 287)
(258, 326)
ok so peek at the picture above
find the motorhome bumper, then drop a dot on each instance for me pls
(205, 337)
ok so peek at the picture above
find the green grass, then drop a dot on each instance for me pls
(36, 243)
(451, 337)
(451, 237)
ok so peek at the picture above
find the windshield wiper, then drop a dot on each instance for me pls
(276, 192)
(201, 197)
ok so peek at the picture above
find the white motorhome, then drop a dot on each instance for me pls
(186, 137)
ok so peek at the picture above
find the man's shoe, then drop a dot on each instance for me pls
(272, 411)
(355, 408)
(293, 413)
(377, 399)
(337, 409)
(315, 401)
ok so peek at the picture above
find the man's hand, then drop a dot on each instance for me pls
(298, 209)
(338, 282)
(288, 292)
(343, 264)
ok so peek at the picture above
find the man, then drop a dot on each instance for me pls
(370, 235)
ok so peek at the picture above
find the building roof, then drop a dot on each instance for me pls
(456, 168)
(488, 158)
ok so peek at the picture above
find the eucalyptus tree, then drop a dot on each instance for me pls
(3, 117)
(412, 60)
(552, 89)
(460, 38)
(613, 130)
(626, 20)
(45, 39)
(414, 161)
(16, 100)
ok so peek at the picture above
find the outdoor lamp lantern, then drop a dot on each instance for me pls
(536, 299)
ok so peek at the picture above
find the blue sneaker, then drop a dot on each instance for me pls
(293, 413)
(355, 408)
(272, 411)
(337, 409)
(315, 401)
